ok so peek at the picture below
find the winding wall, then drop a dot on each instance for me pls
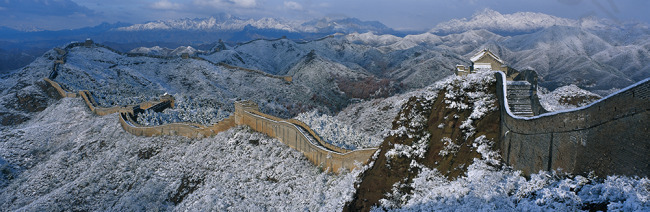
(295, 136)
(189, 130)
(609, 137)
(293, 133)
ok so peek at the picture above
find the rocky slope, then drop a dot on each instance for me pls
(441, 155)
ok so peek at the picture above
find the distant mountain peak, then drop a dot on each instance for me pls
(347, 25)
(327, 25)
(491, 20)
(486, 12)
(213, 23)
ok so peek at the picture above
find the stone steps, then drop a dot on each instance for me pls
(519, 98)
(519, 101)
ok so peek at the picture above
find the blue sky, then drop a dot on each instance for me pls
(398, 14)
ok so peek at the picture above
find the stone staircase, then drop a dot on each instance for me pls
(519, 98)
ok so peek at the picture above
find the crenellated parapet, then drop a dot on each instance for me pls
(608, 137)
(299, 136)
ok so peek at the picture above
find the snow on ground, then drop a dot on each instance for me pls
(489, 185)
(338, 133)
(375, 117)
(492, 186)
(68, 159)
(199, 110)
(474, 88)
(557, 100)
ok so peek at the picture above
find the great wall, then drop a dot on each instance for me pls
(291, 132)
(607, 137)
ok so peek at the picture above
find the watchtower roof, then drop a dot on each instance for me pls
(483, 53)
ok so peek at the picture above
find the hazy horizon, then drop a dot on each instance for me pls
(410, 15)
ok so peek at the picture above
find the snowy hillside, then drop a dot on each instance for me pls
(24, 93)
(414, 67)
(561, 54)
(66, 158)
(420, 169)
(566, 97)
(117, 79)
(69, 159)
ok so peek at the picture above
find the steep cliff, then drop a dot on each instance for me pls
(442, 130)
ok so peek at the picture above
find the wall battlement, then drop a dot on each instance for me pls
(299, 136)
(609, 137)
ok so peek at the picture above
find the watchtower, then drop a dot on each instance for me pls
(88, 42)
(486, 60)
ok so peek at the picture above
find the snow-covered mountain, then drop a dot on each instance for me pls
(226, 22)
(372, 88)
(562, 55)
(516, 23)
(166, 52)
(63, 157)
(215, 23)
(18, 48)
(345, 25)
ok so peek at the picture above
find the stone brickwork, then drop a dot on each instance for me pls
(300, 137)
(608, 137)
(64, 93)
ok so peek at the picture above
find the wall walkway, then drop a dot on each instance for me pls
(609, 137)
(300, 137)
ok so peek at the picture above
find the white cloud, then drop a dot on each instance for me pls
(165, 5)
(292, 5)
(245, 3)
(225, 3)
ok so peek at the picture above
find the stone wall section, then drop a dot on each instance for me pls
(64, 93)
(609, 137)
(300, 137)
(189, 130)
(294, 133)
